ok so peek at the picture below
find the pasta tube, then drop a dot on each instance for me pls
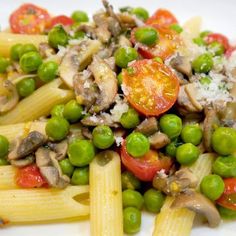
(38, 104)
(178, 222)
(18, 206)
(7, 177)
(105, 195)
(7, 40)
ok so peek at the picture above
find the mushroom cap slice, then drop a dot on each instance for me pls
(200, 204)
(148, 127)
(158, 140)
(59, 148)
(182, 65)
(23, 162)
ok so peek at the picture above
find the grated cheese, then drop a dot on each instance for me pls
(119, 140)
(120, 107)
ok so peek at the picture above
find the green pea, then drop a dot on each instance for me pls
(177, 28)
(199, 41)
(3, 161)
(225, 166)
(30, 61)
(203, 34)
(47, 71)
(158, 59)
(224, 140)
(66, 167)
(57, 128)
(187, 153)
(26, 87)
(29, 47)
(171, 148)
(4, 146)
(124, 55)
(80, 16)
(226, 213)
(141, 13)
(15, 51)
(129, 181)
(216, 48)
(58, 110)
(57, 36)
(203, 63)
(132, 198)
(119, 78)
(81, 152)
(103, 136)
(130, 119)
(212, 186)
(205, 80)
(153, 200)
(4, 63)
(72, 111)
(137, 144)
(80, 176)
(171, 125)
(192, 134)
(131, 220)
(146, 35)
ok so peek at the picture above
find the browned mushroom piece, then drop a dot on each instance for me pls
(200, 204)
(44, 156)
(23, 162)
(10, 98)
(148, 127)
(106, 81)
(59, 148)
(26, 146)
(124, 41)
(181, 181)
(46, 50)
(87, 133)
(127, 20)
(211, 122)
(158, 140)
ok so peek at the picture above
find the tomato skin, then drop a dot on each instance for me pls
(29, 19)
(167, 44)
(229, 51)
(220, 38)
(162, 17)
(152, 87)
(30, 177)
(228, 198)
(61, 19)
(145, 167)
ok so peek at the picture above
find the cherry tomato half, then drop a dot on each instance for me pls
(145, 167)
(167, 44)
(228, 198)
(30, 177)
(150, 87)
(162, 17)
(62, 19)
(29, 19)
(220, 38)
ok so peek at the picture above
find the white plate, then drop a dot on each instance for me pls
(218, 15)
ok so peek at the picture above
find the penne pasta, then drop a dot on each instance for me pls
(178, 222)
(7, 177)
(7, 40)
(38, 104)
(18, 206)
(105, 195)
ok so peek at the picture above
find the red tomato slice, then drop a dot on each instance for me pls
(30, 177)
(220, 38)
(167, 44)
(228, 198)
(229, 51)
(162, 17)
(150, 87)
(62, 19)
(29, 19)
(145, 167)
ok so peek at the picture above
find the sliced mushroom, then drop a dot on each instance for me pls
(27, 145)
(10, 99)
(44, 157)
(127, 20)
(148, 127)
(210, 123)
(181, 181)
(46, 50)
(158, 140)
(23, 162)
(76, 59)
(182, 65)
(87, 133)
(59, 148)
(124, 41)
(200, 204)
(106, 81)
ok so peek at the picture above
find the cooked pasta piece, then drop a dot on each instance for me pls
(7, 177)
(193, 26)
(20, 206)
(38, 104)
(178, 222)
(7, 40)
(105, 195)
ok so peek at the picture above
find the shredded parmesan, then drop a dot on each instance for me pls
(120, 107)
(119, 140)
